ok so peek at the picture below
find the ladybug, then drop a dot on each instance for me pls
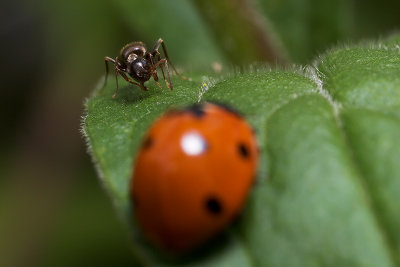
(192, 175)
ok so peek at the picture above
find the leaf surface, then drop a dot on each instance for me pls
(328, 188)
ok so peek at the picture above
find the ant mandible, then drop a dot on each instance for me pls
(141, 65)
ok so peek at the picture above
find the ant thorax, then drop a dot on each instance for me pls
(131, 58)
(132, 51)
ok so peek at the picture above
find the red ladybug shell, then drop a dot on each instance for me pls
(192, 175)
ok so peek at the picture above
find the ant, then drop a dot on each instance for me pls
(141, 65)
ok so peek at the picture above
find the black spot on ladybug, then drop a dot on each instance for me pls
(196, 110)
(148, 142)
(243, 151)
(213, 206)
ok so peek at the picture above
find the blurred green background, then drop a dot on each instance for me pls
(53, 211)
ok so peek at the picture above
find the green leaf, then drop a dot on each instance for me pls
(241, 31)
(307, 27)
(366, 82)
(328, 189)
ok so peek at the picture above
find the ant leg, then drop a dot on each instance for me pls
(156, 46)
(155, 51)
(160, 61)
(169, 61)
(169, 84)
(141, 85)
(153, 73)
(106, 60)
(144, 88)
(162, 70)
(159, 85)
(155, 76)
(116, 80)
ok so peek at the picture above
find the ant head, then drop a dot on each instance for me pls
(132, 51)
(140, 69)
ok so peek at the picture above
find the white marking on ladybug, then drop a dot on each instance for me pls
(193, 144)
